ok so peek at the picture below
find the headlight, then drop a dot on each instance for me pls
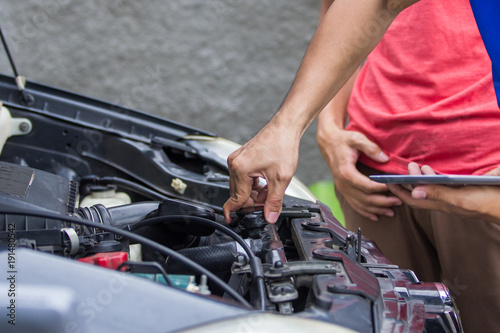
(221, 148)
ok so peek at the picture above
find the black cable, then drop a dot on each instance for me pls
(254, 261)
(154, 245)
(127, 184)
(133, 186)
(6, 47)
(168, 219)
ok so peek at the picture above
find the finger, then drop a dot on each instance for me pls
(372, 217)
(427, 170)
(435, 192)
(260, 195)
(400, 191)
(411, 198)
(372, 211)
(274, 200)
(360, 181)
(414, 169)
(253, 195)
(367, 195)
(376, 203)
(436, 197)
(240, 191)
(373, 205)
(369, 148)
(231, 207)
(382, 200)
(361, 210)
(261, 198)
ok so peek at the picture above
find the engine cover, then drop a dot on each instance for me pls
(23, 188)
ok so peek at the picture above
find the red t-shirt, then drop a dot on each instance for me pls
(425, 94)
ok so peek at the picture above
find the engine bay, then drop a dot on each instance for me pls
(95, 198)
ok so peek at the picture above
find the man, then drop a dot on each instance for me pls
(429, 100)
(346, 34)
(344, 38)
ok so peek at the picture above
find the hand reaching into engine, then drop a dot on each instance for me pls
(273, 155)
(474, 201)
(332, 57)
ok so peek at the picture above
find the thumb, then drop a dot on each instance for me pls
(371, 149)
(431, 192)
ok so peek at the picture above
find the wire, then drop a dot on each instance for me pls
(137, 188)
(154, 245)
(127, 184)
(168, 219)
(6, 47)
(20, 81)
(254, 261)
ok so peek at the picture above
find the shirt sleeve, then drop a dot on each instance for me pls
(487, 15)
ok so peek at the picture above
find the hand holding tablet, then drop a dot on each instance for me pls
(422, 189)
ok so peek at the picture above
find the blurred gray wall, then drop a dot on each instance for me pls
(220, 65)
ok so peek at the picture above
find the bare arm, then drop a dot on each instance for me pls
(348, 32)
(335, 112)
(325, 5)
(341, 150)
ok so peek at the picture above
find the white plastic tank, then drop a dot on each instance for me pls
(106, 196)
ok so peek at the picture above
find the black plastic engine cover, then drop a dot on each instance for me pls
(26, 189)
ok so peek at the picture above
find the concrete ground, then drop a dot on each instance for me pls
(221, 65)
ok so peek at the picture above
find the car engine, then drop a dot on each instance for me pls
(111, 220)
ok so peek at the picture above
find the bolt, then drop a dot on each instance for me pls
(240, 260)
(282, 289)
(24, 127)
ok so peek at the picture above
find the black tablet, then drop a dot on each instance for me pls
(437, 179)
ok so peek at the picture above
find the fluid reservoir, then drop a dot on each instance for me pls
(106, 196)
(11, 126)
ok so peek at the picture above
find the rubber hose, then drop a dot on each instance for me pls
(216, 258)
